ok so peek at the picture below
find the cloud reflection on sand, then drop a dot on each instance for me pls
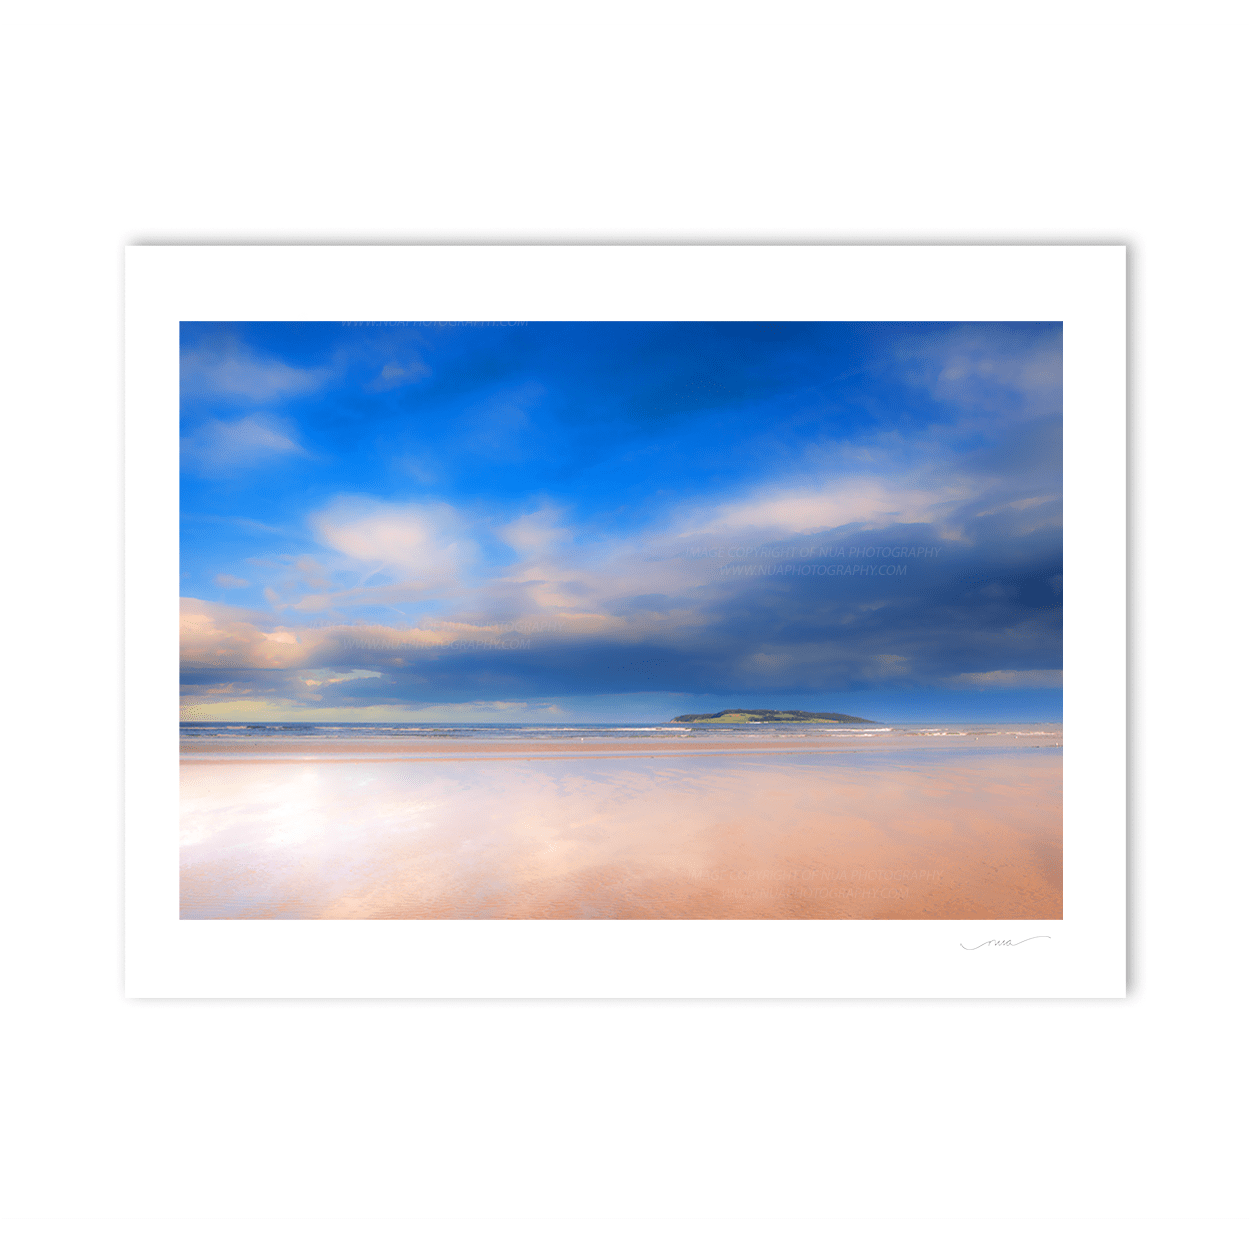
(955, 835)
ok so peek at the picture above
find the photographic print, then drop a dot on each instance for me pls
(621, 620)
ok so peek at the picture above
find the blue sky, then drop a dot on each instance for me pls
(620, 521)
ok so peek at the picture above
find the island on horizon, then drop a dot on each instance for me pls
(743, 716)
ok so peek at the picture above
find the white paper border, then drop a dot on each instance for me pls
(1084, 956)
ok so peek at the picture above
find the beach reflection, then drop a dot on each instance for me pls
(954, 834)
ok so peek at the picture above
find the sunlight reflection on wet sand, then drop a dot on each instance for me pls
(895, 836)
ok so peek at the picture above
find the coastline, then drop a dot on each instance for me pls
(274, 749)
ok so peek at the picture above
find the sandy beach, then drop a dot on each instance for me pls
(927, 826)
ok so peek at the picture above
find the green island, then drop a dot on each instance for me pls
(749, 716)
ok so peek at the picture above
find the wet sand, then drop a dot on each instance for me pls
(924, 829)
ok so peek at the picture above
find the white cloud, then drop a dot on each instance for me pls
(1018, 505)
(214, 635)
(890, 665)
(423, 471)
(1010, 679)
(864, 501)
(219, 447)
(312, 574)
(331, 677)
(535, 533)
(427, 542)
(400, 374)
(230, 582)
(234, 371)
(985, 369)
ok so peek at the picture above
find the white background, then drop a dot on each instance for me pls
(805, 1123)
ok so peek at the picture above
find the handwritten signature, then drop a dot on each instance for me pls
(1004, 942)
